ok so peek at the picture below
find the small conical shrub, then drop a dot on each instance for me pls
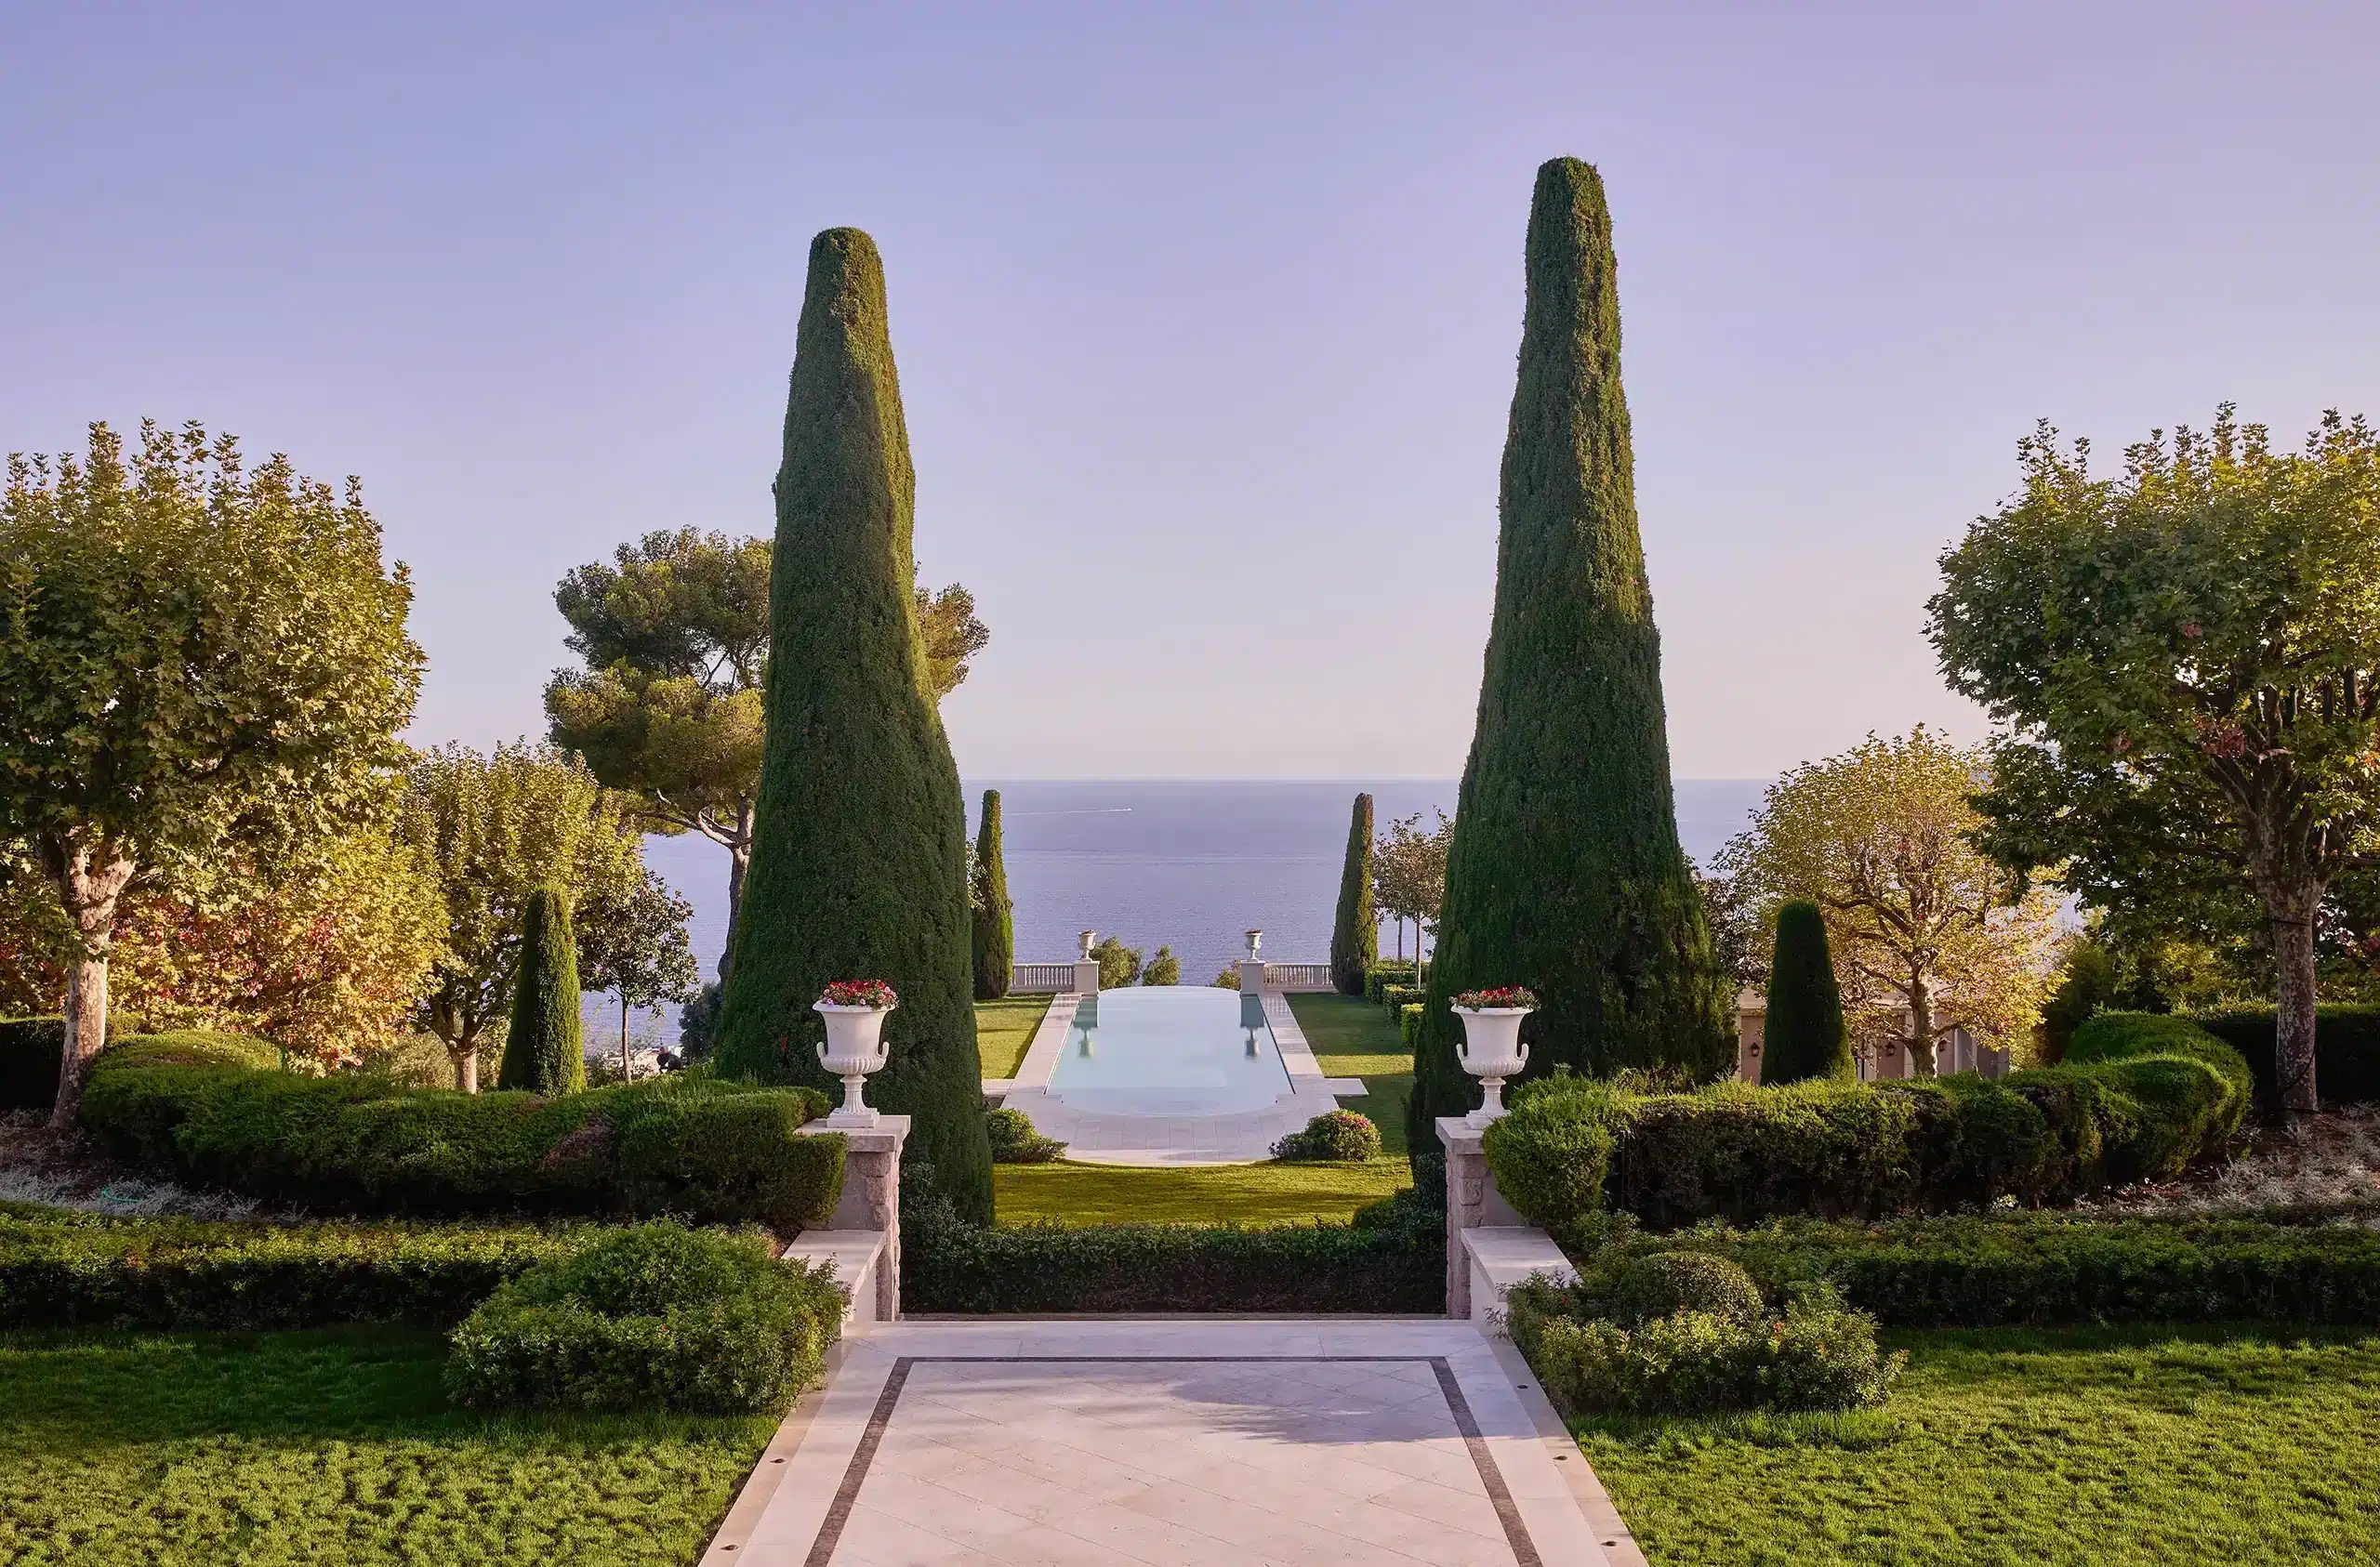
(542, 1051)
(995, 925)
(1354, 939)
(1805, 1036)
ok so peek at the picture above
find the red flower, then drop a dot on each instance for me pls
(859, 993)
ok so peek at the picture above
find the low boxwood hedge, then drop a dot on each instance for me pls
(2015, 1268)
(2346, 1049)
(657, 1316)
(2139, 1097)
(74, 1270)
(213, 1109)
(30, 1049)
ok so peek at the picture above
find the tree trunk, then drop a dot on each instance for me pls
(739, 863)
(2292, 1041)
(466, 1069)
(624, 1037)
(1920, 1025)
(88, 883)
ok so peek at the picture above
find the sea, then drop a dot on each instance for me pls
(1189, 865)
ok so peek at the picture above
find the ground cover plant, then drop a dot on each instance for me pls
(1004, 1030)
(278, 1449)
(2079, 1447)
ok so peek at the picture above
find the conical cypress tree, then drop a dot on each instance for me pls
(859, 853)
(1804, 1036)
(1565, 874)
(994, 917)
(542, 1049)
(1354, 939)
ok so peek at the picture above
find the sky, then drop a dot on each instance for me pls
(1205, 315)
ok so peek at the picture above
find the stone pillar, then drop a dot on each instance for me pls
(871, 1199)
(1251, 968)
(1752, 1033)
(1473, 1203)
(1086, 976)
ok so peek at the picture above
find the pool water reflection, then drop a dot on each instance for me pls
(1170, 1050)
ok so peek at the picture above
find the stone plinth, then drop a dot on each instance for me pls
(1498, 1258)
(1473, 1203)
(871, 1201)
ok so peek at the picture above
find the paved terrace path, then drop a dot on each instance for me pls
(1305, 1442)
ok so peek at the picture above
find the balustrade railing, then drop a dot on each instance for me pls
(1032, 978)
(1297, 976)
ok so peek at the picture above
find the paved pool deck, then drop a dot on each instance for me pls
(1175, 1443)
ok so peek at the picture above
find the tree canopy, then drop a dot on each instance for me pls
(2183, 662)
(202, 661)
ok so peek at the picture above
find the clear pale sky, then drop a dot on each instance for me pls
(1206, 315)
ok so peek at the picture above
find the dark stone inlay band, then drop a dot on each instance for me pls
(1499, 1495)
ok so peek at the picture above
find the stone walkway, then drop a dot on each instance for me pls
(1305, 1442)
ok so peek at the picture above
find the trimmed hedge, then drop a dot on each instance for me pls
(211, 1110)
(2139, 1097)
(1397, 996)
(76, 1269)
(1384, 972)
(2346, 1049)
(2012, 1269)
(658, 1316)
(30, 1051)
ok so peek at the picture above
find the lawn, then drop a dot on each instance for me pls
(331, 1445)
(1351, 1038)
(1004, 1030)
(2112, 1447)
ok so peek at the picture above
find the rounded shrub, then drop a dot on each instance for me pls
(1551, 1154)
(1015, 1142)
(1666, 1283)
(1336, 1135)
(659, 1316)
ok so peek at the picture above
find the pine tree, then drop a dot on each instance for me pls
(1354, 939)
(859, 855)
(542, 1051)
(1566, 873)
(995, 925)
(1804, 1036)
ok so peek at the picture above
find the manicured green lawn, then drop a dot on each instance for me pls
(1252, 1195)
(1004, 1030)
(2110, 1447)
(333, 1445)
(1353, 1038)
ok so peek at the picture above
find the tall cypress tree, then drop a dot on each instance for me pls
(1565, 874)
(859, 853)
(1804, 1036)
(994, 917)
(542, 1049)
(1355, 937)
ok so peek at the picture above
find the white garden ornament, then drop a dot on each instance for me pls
(855, 1011)
(1491, 1048)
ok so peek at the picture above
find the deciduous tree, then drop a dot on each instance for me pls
(636, 945)
(2184, 661)
(200, 661)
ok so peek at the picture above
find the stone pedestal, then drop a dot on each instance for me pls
(1473, 1203)
(871, 1199)
(1087, 976)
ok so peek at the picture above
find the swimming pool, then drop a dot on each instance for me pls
(1170, 1050)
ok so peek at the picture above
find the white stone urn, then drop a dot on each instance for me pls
(1491, 1051)
(853, 1047)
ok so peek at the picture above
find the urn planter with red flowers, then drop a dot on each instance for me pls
(1491, 1048)
(854, 1012)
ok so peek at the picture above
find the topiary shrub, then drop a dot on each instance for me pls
(1355, 931)
(1335, 1135)
(655, 1317)
(991, 916)
(1665, 1283)
(543, 1050)
(30, 1051)
(1015, 1142)
(1551, 1153)
(1804, 1036)
(1384, 972)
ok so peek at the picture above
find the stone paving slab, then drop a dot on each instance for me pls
(1174, 1443)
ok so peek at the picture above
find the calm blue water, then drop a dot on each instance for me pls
(1186, 864)
(1170, 1051)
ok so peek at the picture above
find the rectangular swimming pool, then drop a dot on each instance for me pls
(1170, 1050)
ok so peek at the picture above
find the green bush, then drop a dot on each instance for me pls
(1408, 1025)
(1818, 1355)
(2139, 1097)
(1015, 1142)
(1385, 972)
(1662, 1284)
(1804, 1034)
(30, 1049)
(2039, 1269)
(949, 1264)
(2346, 1049)
(658, 1316)
(1397, 997)
(71, 1270)
(211, 1111)
(1354, 932)
(543, 1050)
(1335, 1135)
